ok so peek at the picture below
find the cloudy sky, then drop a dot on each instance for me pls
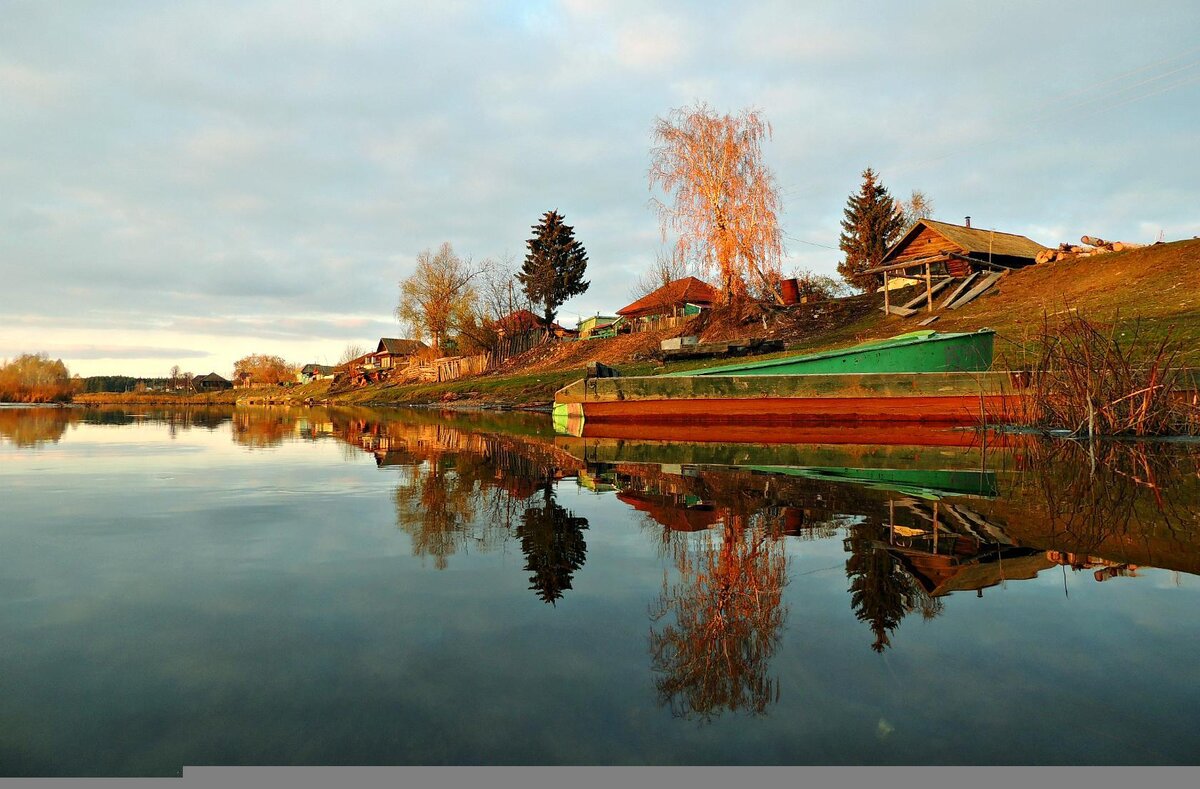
(188, 182)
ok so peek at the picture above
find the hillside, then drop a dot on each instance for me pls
(1150, 290)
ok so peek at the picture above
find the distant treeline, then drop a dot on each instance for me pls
(35, 378)
(122, 383)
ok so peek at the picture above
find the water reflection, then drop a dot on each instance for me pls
(32, 427)
(917, 523)
(552, 541)
(718, 625)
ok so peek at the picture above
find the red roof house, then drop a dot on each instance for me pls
(672, 299)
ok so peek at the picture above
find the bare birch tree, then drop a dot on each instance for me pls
(723, 201)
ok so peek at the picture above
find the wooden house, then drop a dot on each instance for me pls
(210, 383)
(958, 250)
(597, 325)
(394, 352)
(314, 372)
(940, 254)
(670, 303)
(524, 320)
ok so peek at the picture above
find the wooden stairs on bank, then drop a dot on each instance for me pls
(968, 289)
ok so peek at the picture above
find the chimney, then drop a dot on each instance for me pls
(968, 222)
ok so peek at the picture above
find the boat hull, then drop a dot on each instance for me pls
(929, 398)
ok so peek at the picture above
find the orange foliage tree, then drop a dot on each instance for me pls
(35, 378)
(264, 369)
(724, 203)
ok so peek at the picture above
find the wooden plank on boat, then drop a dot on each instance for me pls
(959, 290)
(978, 290)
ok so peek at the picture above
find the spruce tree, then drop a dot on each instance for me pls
(554, 266)
(872, 224)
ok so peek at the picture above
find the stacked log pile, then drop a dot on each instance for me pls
(1091, 245)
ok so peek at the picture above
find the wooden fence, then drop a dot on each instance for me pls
(451, 368)
(516, 344)
(659, 322)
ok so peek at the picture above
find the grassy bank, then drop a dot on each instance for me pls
(1146, 292)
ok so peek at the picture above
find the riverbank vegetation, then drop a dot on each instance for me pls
(35, 378)
(1095, 380)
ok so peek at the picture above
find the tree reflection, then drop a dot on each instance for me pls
(263, 428)
(31, 427)
(552, 541)
(726, 616)
(881, 591)
(435, 505)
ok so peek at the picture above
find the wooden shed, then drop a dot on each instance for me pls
(943, 254)
(961, 249)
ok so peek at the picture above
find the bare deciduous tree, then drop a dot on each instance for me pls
(724, 203)
(918, 206)
(438, 296)
(351, 352)
(811, 283)
(500, 295)
(667, 268)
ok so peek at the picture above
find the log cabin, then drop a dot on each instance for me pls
(393, 352)
(210, 383)
(958, 250)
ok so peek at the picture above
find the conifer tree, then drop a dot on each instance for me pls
(554, 266)
(872, 224)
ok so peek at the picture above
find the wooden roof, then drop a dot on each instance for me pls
(399, 347)
(972, 240)
(681, 291)
(524, 320)
(211, 377)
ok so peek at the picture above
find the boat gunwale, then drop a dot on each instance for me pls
(854, 350)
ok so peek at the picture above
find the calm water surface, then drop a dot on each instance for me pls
(354, 587)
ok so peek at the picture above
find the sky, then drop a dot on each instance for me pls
(190, 182)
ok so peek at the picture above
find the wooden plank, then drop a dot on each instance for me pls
(978, 290)
(929, 286)
(959, 290)
(903, 312)
(935, 289)
(929, 320)
(939, 258)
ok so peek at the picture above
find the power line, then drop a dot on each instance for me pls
(810, 243)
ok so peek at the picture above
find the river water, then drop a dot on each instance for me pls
(210, 586)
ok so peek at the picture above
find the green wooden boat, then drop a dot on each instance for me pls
(915, 352)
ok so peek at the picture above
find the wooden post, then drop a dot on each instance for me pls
(935, 527)
(887, 305)
(929, 286)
